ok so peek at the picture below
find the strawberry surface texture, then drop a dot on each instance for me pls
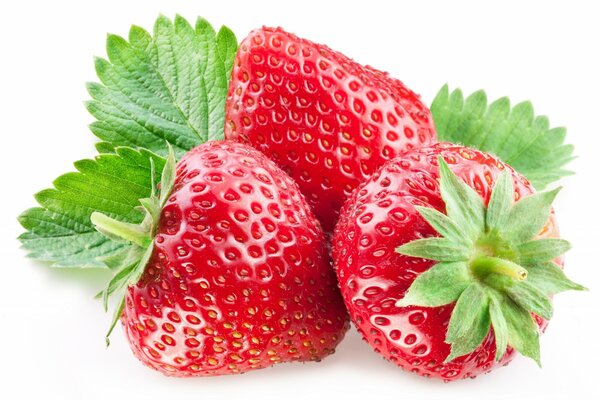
(239, 277)
(379, 217)
(326, 120)
(252, 199)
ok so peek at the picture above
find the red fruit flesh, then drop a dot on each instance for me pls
(240, 278)
(379, 217)
(326, 120)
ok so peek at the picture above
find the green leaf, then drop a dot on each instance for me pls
(469, 323)
(531, 299)
(140, 267)
(439, 249)
(118, 282)
(60, 230)
(516, 135)
(104, 147)
(140, 237)
(500, 202)
(125, 256)
(152, 208)
(139, 38)
(227, 48)
(499, 327)
(115, 318)
(541, 250)
(528, 216)
(523, 334)
(169, 87)
(463, 205)
(167, 180)
(550, 279)
(442, 284)
(443, 224)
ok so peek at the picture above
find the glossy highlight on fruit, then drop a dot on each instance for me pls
(239, 278)
(326, 120)
(379, 217)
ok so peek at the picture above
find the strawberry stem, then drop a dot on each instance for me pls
(129, 264)
(121, 230)
(483, 265)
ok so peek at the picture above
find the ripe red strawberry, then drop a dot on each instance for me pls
(428, 303)
(326, 120)
(238, 276)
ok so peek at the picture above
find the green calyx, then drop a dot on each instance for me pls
(130, 263)
(490, 265)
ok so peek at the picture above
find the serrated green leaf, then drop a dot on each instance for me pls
(169, 87)
(550, 279)
(499, 327)
(438, 249)
(215, 79)
(456, 101)
(441, 284)
(227, 48)
(541, 250)
(104, 147)
(60, 231)
(516, 135)
(523, 334)
(469, 323)
(462, 203)
(139, 38)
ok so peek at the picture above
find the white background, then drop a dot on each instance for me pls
(51, 330)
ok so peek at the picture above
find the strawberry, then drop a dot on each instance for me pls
(237, 275)
(458, 305)
(326, 120)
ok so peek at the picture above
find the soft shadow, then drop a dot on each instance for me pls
(354, 351)
(89, 279)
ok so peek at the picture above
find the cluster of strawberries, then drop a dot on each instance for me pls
(331, 200)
